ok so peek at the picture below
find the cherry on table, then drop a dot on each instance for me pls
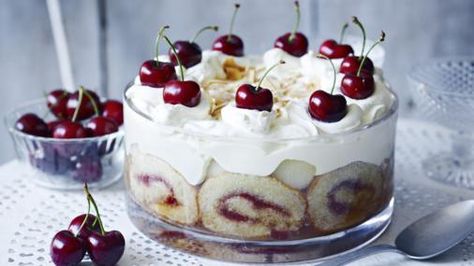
(100, 126)
(113, 110)
(33, 125)
(327, 107)
(87, 229)
(67, 249)
(57, 101)
(69, 130)
(107, 248)
(350, 65)
(230, 44)
(358, 87)
(294, 43)
(87, 108)
(189, 52)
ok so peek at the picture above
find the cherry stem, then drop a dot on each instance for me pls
(181, 69)
(297, 23)
(343, 32)
(333, 70)
(158, 40)
(94, 104)
(76, 111)
(231, 27)
(381, 39)
(91, 200)
(266, 73)
(356, 21)
(214, 28)
(85, 218)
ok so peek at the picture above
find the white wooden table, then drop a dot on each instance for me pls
(30, 215)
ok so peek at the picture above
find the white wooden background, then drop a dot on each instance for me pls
(417, 30)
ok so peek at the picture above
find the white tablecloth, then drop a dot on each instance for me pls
(30, 215)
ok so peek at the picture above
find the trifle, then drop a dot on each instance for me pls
(262, 158)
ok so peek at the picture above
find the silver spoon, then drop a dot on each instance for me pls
(425, 238)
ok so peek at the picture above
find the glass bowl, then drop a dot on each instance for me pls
(444, 93)
(66, 163)
(295, 212)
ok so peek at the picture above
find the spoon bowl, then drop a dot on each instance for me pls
(425, 238)
(437, 232)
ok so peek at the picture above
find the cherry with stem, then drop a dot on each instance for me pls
(154, 73)
(184, 92)
(332, 49)
(361, 84)
(256, 98)
(104, 248)
(327, 107)
(230, 44)
(294, 42)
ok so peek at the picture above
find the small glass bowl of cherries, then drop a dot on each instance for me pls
(69, 138)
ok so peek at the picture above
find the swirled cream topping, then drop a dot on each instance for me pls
(219, 76)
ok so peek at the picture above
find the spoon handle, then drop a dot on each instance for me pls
(359, 254)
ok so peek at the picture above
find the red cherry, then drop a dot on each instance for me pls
(57, 101)
(189, 53)
(187, 93)
(113, 110)
(67, 249)
(327, 107)
(156, 74)
(86, 108)
(248, 97)
(69, 130)
(88, 227)
(33, 125)
(229, 45)
(106, 249)
(332, 49)
(100, 126)
(53, 124)
(294, 43)
(350, 65)
(358, 87)
(297, 46)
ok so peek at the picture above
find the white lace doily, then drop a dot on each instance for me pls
(30, 215)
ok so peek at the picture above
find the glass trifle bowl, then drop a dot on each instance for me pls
(250, 199)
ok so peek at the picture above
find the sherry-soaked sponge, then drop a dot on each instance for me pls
(165, 192)
(345, 197)
(250, 206)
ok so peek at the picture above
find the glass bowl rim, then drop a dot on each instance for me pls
(426, 64)
(390, 113)
(9, 117)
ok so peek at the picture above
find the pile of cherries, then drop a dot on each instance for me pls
(80, 114)
(86, 233)
(358, 82)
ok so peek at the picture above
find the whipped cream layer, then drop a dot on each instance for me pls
(254, 142)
